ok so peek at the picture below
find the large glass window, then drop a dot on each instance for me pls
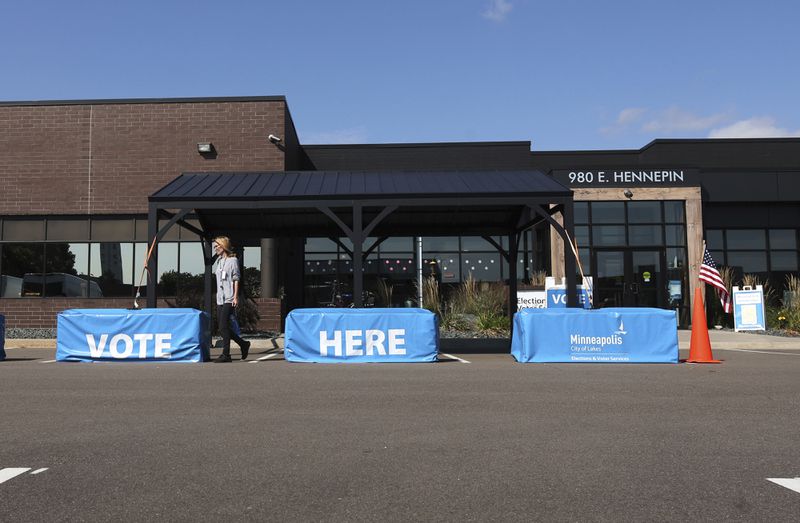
(22, 269)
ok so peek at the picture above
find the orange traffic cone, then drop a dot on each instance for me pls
(700, 347)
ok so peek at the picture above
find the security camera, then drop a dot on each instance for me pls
(274, 139)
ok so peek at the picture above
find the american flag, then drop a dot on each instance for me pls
(710, 275)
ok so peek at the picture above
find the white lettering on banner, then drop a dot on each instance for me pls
(372, 341)
(352, 340)
(113, 346)
(94, 350)
(395, 341)
(325, 343)
(97, 347)
(375, 339)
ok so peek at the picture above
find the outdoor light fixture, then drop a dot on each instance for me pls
(205, 147)
(628, 194)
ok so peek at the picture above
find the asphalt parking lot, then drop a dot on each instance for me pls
(451, 441)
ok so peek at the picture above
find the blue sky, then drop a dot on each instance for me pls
(563, 74)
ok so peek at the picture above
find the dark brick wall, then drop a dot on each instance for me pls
(106, 158)
(41, 313)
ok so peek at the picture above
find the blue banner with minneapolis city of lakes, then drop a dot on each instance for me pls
(162, 335)
(334, 335)
(612, 335)
(2, 337)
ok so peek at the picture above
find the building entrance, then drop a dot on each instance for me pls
(629, 277)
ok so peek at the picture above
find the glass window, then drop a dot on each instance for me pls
(644, 212)
(111, 267)
(398, 244)
(783, 261)
(603, 235)
(113, 230)
(167, 263)
(718, 257)
(173, 234)
(675, 235)
(320, 245)
(476, 243)
(23, 230)
(23, 266)
(439, 243)
(714, 239)
(645, 235)
(782, 239)
(749, 261)
(746, 239)
(581, 212)
(398, 266)
(68, 230)
(67, 271)
(448, 265)
(191, 259)
(186, 234)
(608, 212)
(582, 236)
(141, 229)
(251, 258)
(321, 264)
(674, 212)
(483, 266)
(676, 258)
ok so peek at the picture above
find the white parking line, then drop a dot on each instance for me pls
(48, 361)
(790, 483)
(263, 358)
(39, 470)
(765, 352)
(453, 357)
(9, 473)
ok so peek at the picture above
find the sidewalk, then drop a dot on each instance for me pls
(719, 340)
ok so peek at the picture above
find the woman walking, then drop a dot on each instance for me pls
(228, 276)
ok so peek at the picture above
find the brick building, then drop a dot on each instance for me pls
(75, 177)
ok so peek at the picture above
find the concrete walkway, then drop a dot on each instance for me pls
(719, 340)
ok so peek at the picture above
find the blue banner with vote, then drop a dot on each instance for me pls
(361, 335)
(163, 335)
(557, 297)
(612, 335)
(2, 337)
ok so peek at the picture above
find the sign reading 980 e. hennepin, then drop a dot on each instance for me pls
(174, 335)
(627, 177)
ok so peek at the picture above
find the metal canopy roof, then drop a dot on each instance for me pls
(362, 204)
(355, 184)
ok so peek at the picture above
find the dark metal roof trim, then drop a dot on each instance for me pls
(112, 101)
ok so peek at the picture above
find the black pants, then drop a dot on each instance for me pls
(224, 323)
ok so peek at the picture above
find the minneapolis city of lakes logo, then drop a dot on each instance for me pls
(599, 348)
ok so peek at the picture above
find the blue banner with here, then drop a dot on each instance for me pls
(612, 335)
(163, 335)
(332, 335)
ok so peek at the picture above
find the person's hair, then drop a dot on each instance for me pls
(225, 243)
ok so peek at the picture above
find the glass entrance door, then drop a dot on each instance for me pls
(629, 278)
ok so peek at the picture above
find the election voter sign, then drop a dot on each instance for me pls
(557, 294)
(163, 335)
(748, 309)
(531, 299)
(334, 335)
(611, 335)
(2, 337)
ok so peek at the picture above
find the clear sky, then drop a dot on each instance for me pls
(567, 74)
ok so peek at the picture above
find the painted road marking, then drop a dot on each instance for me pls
(10, 473)
(453, 357)
(263, 358)
(48, 361)
(764, 352)
(790, 483)
(39, 470)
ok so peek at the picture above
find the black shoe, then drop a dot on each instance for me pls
(245, 350)
(223, 359)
